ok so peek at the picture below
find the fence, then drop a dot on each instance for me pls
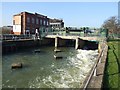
(14, 37)
(81, 34)
(61, 33)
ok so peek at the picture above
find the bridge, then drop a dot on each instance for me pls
(73, 37)
(60, 40)
(77, 41)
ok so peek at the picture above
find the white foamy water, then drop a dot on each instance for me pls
(71, 75)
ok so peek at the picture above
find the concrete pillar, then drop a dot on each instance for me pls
(56, 41)
(95, 72)
(77, 43)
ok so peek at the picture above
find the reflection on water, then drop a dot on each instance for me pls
(41, 70)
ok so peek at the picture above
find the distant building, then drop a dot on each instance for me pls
(27, 23)
(56, 23)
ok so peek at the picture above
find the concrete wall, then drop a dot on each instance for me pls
(92, 45)
(17, 20)
(17, 24)
(81, 43)
(46, 41)
(17, 29)
(11, 46)
(59, 42)
(96, 74)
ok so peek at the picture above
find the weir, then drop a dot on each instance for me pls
(80, 42)
(59, 42)
(54, 40)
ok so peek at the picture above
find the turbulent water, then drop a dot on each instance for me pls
(43, 71)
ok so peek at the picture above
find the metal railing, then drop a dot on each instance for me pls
(60, 33)
(81, 34)
(14, 37)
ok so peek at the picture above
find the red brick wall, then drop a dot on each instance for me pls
(33, 26)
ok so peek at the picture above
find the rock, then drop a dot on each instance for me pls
(37, 51)
(16, 65)
(58, 57)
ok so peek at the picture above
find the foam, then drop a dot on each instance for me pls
(71, 76)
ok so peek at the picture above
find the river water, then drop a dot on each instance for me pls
(41, 70)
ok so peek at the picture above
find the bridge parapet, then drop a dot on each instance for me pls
(73, 37)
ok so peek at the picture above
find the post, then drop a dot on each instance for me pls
(56, 42)
(77, 43)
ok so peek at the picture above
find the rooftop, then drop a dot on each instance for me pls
(39, 15)
(55, 20)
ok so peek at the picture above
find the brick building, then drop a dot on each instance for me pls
(27, 23)
(56, 23)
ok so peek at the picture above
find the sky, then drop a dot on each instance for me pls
(75, 14)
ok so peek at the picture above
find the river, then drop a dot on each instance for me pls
(41, 70)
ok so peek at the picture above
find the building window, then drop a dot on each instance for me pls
(47, 23)
(13, 22)
(40, 21)
(28, 28)
(33, 20)
(37, 20)
(28, 19)
(33, 31)
(44, 23)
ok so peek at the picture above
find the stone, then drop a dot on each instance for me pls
(16, 65)
(58, 57)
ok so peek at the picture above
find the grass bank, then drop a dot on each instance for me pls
(112, 70)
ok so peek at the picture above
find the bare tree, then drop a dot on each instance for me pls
(112, 25)
(5, 30)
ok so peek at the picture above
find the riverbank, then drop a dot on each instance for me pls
(112, 70)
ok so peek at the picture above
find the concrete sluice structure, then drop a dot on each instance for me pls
(78, 43)
(95, 74)
(88, 43)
